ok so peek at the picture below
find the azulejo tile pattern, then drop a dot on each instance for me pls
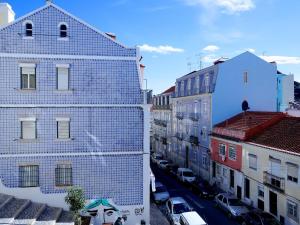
(111, 129)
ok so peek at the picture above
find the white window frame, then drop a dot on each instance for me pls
(260, 191)
(249, 162)
(204, 133)
(58, 67)
(29, 75)
(292, 178)
(63, 180)
(206, 82)
(25, 29)
(24, 120)
(59, 31)
(66, 120)
(225, 148)
(230, 149)
(295, 214)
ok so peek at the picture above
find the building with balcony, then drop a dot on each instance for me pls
(207, 97)
(73, 113)
(162, 123)
(270, 165)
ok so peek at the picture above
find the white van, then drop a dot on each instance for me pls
(191, 218)
(186, 175)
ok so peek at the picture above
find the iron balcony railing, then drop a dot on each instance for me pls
(179, 136)
(273, 181)
(194, 140)
(194, 116)
(161, 107)
(162, 123)
(180, 115)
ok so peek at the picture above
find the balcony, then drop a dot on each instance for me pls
(179, 136)
(194, 140)
(162, 123)
(273, 181)
(180, 115)
(194, 116)
(161, 107)
(163, 140)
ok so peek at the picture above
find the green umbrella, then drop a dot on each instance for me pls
(99, 202)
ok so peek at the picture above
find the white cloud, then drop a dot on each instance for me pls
(162, 49)
(209, 58)
(228, 6)
(282, 59)
(211, 48)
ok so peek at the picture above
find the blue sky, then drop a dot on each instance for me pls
(176, 35)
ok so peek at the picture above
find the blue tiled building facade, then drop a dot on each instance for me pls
(101, 107)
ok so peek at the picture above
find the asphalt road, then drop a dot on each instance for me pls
(205, 208)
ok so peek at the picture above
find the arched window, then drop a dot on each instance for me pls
(28, 29)
(63, 31)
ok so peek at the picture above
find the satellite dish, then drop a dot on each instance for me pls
(245, 106)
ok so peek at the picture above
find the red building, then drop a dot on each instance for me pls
(227, 146)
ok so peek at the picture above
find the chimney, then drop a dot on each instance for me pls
(7, 15)
(111, 35)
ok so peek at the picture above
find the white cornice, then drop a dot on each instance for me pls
(50, 56)
(69, 105)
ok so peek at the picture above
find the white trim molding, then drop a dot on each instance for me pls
(63, 119)
(27, 65)
(63, 66)
(28, 119)
(71, 105)
(49, 56)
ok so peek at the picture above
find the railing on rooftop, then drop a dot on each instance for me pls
(274, 181)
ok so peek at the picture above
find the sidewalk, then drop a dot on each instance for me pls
(156, 216)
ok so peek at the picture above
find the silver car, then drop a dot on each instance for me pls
(231, 205)
(175, 207)
(161, 193)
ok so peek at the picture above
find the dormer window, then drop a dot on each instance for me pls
(28, 26)
(63, 30)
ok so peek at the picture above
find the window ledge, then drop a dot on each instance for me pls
(27, 140)
(28, 38)
(61, 187)
(63, 39)
(25, 90)
(63, 91)
(64, 140)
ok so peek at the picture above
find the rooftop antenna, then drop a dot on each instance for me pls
(189, 64)
(200, 60)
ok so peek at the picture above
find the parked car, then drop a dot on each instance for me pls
(155, 157)
(163, 164)
(231, 205)
(191, 218)
(161, 193)
(203, 189)
(185, 175)
(176, 206)
(258, 217)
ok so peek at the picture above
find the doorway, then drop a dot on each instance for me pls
(273, 203)
(232, 178)
(187, 156)
(239, 192)
(260, 204)
(213, 169)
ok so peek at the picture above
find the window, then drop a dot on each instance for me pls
(28, 29)
(63, 128)
(232, 152)
(204, 134)
(292, 210)
(29, 176)
(28, 76)
(225, 172)
(62, 83)
(63, 175)
(245, 77)
(247, 188)
(206, 83)
(260, 191)
(204, 161)
(222, 149)
(204, 108)
(292, 172)
(218, 169)
(63, 31)
(252, 161)
(28, 128)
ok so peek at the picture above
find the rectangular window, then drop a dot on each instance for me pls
(28, 76)
(252, 159)
(63, 128)
(292, 172)
(204, 161)
(63, 175)
(29, 176)
(28, 128)
(260, 191)
(245, 77)
(218, 169)
(62, 77)
(232, 152)
(292, 210)
(247, 188)
(222, 149)
(204, 134)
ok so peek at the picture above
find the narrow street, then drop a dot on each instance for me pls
(205, 208)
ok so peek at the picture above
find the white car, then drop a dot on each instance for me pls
(191, 218)
(175, 207)
(163, 164)
(161, 193)
(185, 175)
(155, 157)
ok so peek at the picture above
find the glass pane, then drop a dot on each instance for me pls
(63, 129)
(63, 79)
(24, 80)
(28, 130)
(32, 82)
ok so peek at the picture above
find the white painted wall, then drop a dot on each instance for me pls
(7, 15)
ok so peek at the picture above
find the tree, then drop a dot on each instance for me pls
(75, 199)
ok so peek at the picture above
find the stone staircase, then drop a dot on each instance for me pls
(14, 211)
